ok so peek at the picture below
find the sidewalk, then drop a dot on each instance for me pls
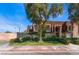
(58, 50)
(70, 47)
(40, 48)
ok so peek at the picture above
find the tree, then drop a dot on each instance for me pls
(8, 32)
(73, 13)
(64, 29)
(39, 13)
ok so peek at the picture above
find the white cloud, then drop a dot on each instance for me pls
(8, 28)
(7, 25)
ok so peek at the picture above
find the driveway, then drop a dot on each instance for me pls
(4, 45)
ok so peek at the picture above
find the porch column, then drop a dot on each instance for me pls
(54, 30)
(60, 31)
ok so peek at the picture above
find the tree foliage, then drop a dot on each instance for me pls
(73, 12)
(39, 13)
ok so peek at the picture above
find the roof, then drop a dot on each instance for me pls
(55, 22)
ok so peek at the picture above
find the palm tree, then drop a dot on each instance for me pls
(39, 13)
(73, 13)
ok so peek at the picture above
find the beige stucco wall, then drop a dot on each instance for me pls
(75, 30)
(7, 36)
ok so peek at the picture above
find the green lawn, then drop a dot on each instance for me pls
(37, 44)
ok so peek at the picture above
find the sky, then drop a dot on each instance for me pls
(63, 16)
(13, 17)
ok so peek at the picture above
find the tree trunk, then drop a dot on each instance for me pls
(72, 30)
(39, 29)
(40, 34)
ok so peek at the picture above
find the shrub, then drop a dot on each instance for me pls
(75, 41)
(65, 41)
(11, 41)
(36, 39)
(57, 39)
(17, 40)
(50, 39)
(24, 39)
(20, 40)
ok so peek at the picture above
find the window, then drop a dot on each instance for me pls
(69, 29)
(35, 28)
(48, 29)
(52, 28)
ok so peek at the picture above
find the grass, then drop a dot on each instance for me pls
(29, 43)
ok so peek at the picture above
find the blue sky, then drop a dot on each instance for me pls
(13, 17)
(64, 16)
